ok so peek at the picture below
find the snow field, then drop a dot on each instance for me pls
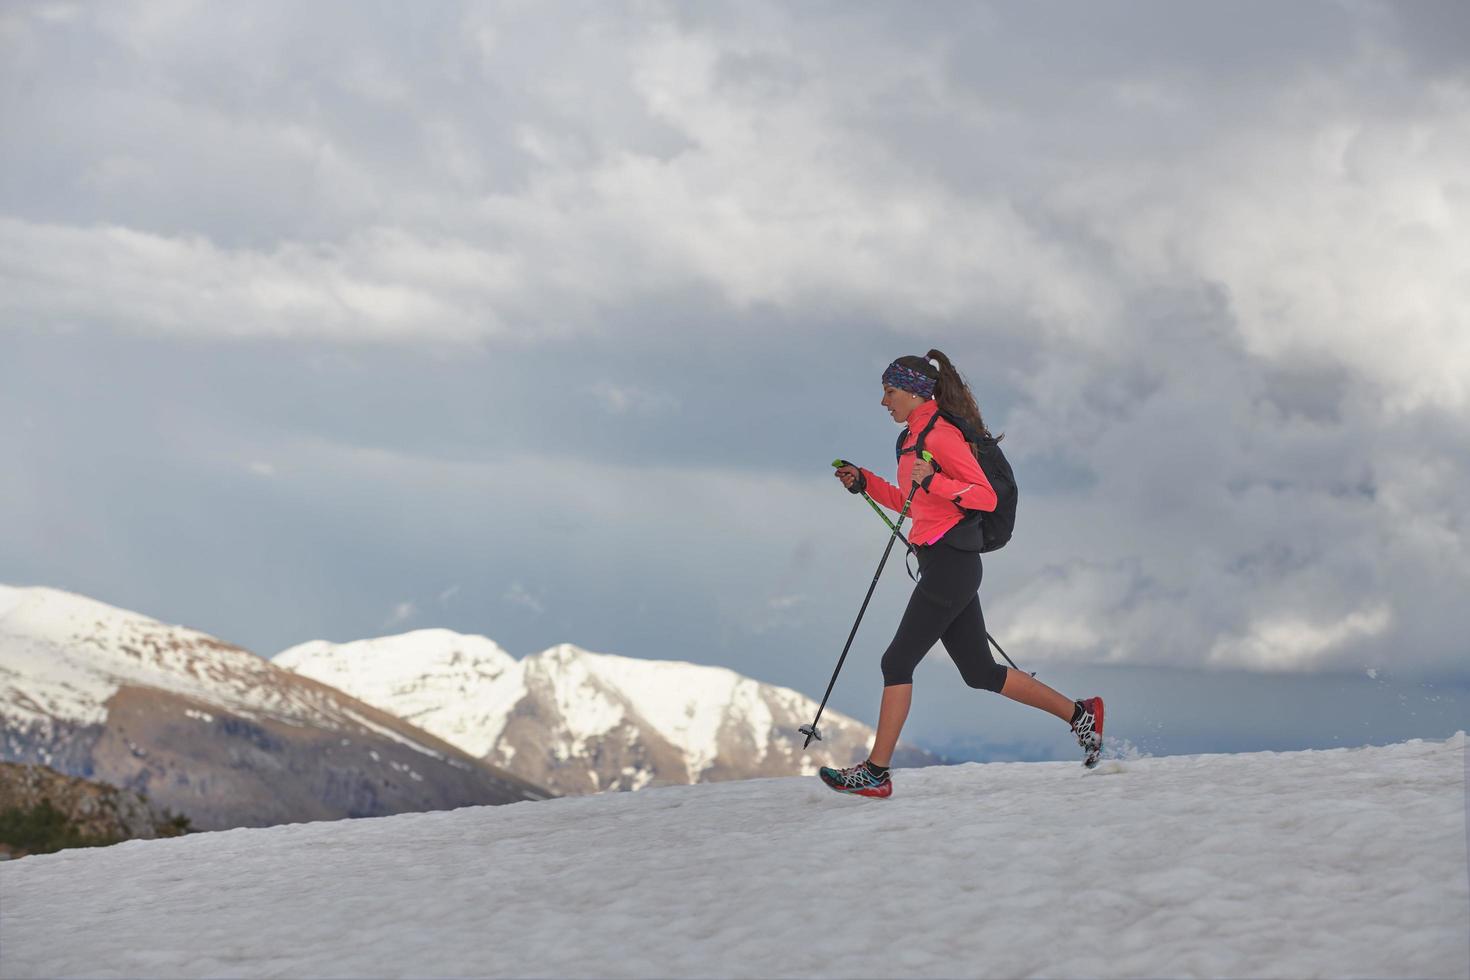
(1326, 863)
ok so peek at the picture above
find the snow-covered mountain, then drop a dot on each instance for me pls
(1348, 862)
(208, 729)
(579, 722)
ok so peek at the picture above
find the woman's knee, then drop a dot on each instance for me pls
(986, 677)
(898, 667)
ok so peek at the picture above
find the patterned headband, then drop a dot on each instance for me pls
(909, 380)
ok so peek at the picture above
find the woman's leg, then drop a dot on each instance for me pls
(965, 641)
(968, 648)
(891, 716)
(948, 578)
(1021, 686)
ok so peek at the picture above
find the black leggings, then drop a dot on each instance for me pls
(945, 606)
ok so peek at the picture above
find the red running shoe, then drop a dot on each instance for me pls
(858, 781)
(1087, 725)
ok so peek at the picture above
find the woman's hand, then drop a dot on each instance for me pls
(922, 471)
(848, 474)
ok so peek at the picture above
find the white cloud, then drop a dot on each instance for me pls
(1230, 301)
(402, 613)
(767, 205)
(380, 285)
(628, 399)
(517, 595)
(1335, 238)
(1287, 644)
(1334, 232)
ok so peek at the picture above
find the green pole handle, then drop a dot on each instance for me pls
(838, 463)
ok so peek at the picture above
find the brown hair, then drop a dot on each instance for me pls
(950, 390)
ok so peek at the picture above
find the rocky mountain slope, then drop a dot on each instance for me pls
(210, 730)
(43, 810)
(580, 722)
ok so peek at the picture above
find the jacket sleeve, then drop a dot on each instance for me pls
(882, 491)
(960, 480)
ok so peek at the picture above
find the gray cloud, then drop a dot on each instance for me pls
(574, 305)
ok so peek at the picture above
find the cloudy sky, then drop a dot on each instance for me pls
(545, 321)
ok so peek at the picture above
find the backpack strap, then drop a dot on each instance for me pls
(971, 518)
(918, 446)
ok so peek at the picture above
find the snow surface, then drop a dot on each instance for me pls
(1348, 862)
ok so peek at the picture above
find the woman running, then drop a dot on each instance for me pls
(945, 605)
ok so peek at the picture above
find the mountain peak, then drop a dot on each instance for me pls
(74, 653)
(577, 721)
(40, 609)
(452, 684)
(423, 647)
(210, 727)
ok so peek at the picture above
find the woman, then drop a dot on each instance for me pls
(945, 605)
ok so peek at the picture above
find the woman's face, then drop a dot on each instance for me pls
(900, 403)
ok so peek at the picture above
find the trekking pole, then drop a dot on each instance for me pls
(874, 504)
(1006, 655)
(810, 731)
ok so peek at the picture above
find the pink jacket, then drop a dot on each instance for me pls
(959, 480)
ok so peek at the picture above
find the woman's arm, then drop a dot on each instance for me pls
(883, 491)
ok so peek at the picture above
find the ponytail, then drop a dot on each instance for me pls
(950, 390)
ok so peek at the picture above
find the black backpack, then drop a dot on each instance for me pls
(994, 526)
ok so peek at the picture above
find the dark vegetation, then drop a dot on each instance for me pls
(43, 829)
